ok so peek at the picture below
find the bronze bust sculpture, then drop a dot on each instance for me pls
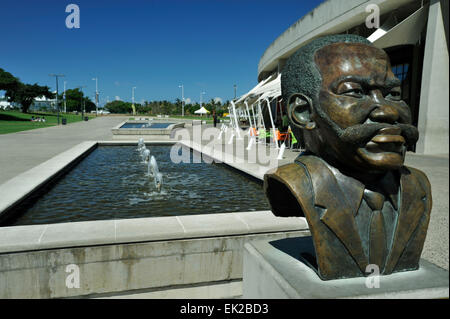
(363, 206)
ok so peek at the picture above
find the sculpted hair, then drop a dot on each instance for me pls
(300, 73)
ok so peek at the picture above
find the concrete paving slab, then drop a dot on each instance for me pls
(23, 150)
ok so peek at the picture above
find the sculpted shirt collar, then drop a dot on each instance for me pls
(389, 185)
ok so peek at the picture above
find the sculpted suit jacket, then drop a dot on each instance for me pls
(333, 206)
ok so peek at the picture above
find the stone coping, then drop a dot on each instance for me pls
(121, 231)
(20, 187)
(103, 232)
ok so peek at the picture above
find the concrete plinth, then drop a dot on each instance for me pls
(271, 272)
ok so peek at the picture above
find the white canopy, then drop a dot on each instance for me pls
(270, 87)
(202, 110)
(255, 90)
(406, 32)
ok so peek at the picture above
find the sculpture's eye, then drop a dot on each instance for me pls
(350, 89)
(394, 94)
(355, 93)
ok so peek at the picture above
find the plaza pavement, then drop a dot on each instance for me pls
(22, 151)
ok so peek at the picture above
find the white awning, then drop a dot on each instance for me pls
(255, 89)
(406, 32)
(202, 110)
(271, 87)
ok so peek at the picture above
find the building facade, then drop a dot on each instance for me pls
(414, 33)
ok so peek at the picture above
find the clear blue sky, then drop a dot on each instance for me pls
(154, 45)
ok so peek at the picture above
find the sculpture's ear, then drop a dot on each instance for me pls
(300, 110)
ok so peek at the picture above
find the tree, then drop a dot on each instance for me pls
(75, 99)
(119, 107)
(26, 93)
(7, 81)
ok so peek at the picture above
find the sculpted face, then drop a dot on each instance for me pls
(363, 122)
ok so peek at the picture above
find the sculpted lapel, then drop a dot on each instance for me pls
(337, 211)
(415, 204)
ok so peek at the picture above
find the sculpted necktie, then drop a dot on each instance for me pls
(377, 239)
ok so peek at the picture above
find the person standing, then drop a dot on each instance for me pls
(215, 118)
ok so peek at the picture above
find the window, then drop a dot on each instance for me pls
(401, 72)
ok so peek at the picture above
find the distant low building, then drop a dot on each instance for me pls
(5, 104)
(43, 104)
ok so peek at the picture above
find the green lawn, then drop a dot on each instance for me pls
(16, 121)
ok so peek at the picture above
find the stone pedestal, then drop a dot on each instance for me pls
(272, 271)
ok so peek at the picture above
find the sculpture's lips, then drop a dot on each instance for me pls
(387, 140)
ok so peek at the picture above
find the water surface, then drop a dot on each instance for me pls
(146, 125)
(112, 183)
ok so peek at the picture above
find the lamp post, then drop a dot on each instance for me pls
(182, 99)
(132, 99)
(56, 76)
(201, 96)
(96, 95)
(82, 101)
(235, 87)
(64, 97)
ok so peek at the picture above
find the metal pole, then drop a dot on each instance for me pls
(182, 99)
(271, 122)
(201, 98)
(235, 119)
(132, 98)
(260, 116)
(235, 86)
(254, 120)
(82, 102)
(57, 104)
(96, 95)
(248, 112)
(56, 76)
(64, 97)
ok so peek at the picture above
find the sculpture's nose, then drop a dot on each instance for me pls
(384, 113)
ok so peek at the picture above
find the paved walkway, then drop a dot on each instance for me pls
(24, 150)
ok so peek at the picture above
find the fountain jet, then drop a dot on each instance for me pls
(154, 172)
(141, 144)
(145, 155)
